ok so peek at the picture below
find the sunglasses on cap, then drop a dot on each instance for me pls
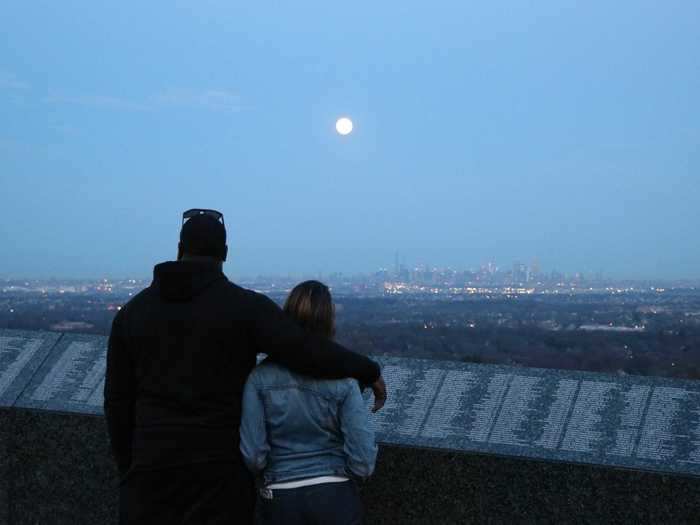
(198, 211)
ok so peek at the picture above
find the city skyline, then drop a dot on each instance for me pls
(490, 272)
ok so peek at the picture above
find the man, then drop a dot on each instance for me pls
(178, 357)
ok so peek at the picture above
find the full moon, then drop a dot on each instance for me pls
(343, 126)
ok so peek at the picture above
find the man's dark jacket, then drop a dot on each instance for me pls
(178, 357)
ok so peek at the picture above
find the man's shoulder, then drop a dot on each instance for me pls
(245, 293)
(229, 293)
(133, 303)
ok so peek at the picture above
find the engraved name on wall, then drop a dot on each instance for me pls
(21, 353)
(72, 378)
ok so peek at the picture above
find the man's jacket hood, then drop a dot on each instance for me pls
(182, 280)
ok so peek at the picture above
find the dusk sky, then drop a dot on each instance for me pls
(567, 131)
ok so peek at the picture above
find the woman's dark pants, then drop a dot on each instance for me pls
(323, 504)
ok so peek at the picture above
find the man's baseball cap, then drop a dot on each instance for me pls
(203, 233)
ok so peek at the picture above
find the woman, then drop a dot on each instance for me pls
(305, 439)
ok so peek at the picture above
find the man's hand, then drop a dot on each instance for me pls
(379, 389)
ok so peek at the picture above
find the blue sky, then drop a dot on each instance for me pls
(567, 131)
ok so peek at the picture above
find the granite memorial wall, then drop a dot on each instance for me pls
(566, 424)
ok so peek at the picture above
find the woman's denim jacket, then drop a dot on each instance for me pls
(294, 427)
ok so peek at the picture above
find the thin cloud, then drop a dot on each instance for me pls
(10, 81)
(98, 101)
(211, 99)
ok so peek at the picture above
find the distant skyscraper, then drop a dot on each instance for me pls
(519, 273)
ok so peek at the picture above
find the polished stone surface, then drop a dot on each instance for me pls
(4, 465)
(62, 473)
(436, 486)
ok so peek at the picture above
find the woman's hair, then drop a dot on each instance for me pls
(311, 306)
